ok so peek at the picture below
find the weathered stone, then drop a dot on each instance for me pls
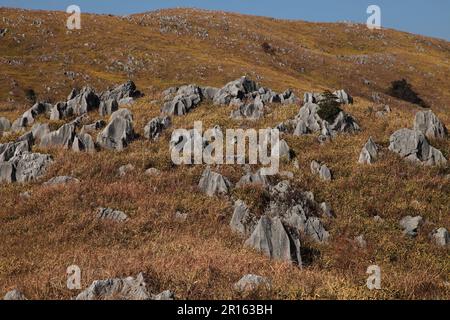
(234, 89)
(123, 170)
(61, 180)
(441, 237)
(123, 91)
(84, 101)
(410, 225)
(213, 183)
(315, 229)
(111, 214)
(108, 107)
(369, 153)
(251, 111)
(271, 238)
(14, 295)
(5, 125)
(253, 178)
(9, 150)
(343, 97)
(63, 137)
(118, 133)
(251, 283)
(186, 98)
(322, 170)
(117, 289)
(430, 125)
(155, 127)
(242, 221)
(152, 172)
(83, 142)
(361, 242)
(39, 130)
(166, 295)
(412, 145)
(30, 166)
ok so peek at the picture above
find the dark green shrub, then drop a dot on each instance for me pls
(328, 107)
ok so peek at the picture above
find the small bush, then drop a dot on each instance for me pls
(30, 95)
(268, 48)
(401, 89)
(328, 107)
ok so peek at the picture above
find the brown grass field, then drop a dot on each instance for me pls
(201, 258)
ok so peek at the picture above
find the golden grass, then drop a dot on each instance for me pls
(201, 258)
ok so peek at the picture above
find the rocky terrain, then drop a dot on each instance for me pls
(86, 178)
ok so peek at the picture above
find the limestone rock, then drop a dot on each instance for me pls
(213, 183)
(61, 180)
(271, 238)
(410, 225)
(155, 127)
(251, 283)
(117, 289)
(63, 137)
(83, 142)
(369, 152)
(14, 295)
(412, 145)
(441, 237)
(242, 221)
(430, 125)
(118, 133)
(111, 214)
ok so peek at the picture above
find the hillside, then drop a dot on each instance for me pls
(201, 257)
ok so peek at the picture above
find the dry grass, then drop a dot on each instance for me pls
(201, 258)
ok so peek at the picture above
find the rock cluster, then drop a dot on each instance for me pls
(288, 216)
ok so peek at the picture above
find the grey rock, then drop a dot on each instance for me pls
(63, 137)
(5, 125)
(97, 125)
(39, 130)
(123, 91)
(315, 229)
(251, 283)
(122, 113)
(117, 289)
(166, 295)
(361, 242)
(253, 178)
(282, 149)
(185, 99)
(369, 153)
(441, 237)
(236, 89)
(118, 133)
(321, 170)
(327, 210)
(180, 216)
(111, 214)
(83, 142)
(410, 225)
(84, 101)
(242, 221)
(61, 180)
(412, 145)
(152, 172)
(343, 97)
(11, 149)
(271, 238)
(7, 172)
(108, 107)
(14, 295)
(123, 170)
(213, 183)
(251, 111)
(430, 125)
(209, 92)
(30, 166)
(155, 127)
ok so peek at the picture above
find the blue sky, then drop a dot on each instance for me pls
(427, 17)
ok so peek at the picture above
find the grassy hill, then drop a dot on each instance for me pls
(201, 258)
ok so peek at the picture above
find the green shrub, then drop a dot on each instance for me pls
(328, 107)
